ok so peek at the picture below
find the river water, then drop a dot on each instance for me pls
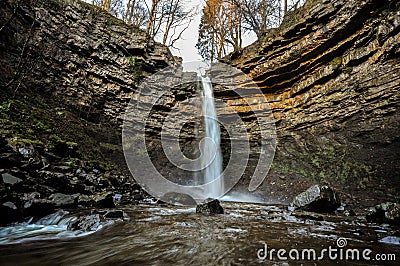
(170, 235)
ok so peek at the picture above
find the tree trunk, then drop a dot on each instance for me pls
(150, 22)
(127, 11)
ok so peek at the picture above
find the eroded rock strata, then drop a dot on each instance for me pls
(331, 73)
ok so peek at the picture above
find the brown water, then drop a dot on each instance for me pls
(165, 235)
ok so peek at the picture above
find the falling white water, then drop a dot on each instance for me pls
(211, 151)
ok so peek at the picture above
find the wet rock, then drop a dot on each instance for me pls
(63, 169)
(178, 199)
(59, 181)
(349, 213)
(9, 213)
(38, 208)
(308, 216)
(27, 151)
(317, 199)
(127, 198)
(344, 211)
(32, 165)
(85, 201)
(10, 179)
(30, 196)
(388, 212)
(86, 223)
(104, 200)
(114, 214)
(3, 143)
(136, 197)
(211, 207)
(64, 200)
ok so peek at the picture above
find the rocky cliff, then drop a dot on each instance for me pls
(77, 60)
(331, 73)
(67, 72)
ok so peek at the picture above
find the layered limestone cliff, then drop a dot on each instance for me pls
(67, 72)
(81, 64)
(331, 74)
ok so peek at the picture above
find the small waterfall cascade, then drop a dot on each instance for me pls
(211, 151)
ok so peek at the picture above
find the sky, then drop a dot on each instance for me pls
(186, 46)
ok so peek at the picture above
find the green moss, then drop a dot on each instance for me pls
(336, 62)
(329, 165)
(347, 70)
(33, 119)
(59, 113)
(5, 106)
(18, 142)
(71, 161)
(136, 68)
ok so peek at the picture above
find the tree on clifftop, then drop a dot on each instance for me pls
(223, 23)
(259, 15)
(136, 13)
(168, 19)
(220, 29)
(165, 20)
(114, 7)
(106, 4)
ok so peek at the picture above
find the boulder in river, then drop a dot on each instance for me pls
(64, 200)
(86, 223)
(388, 212)
(178, 199)
(210, 207)
(85, 200)
(317, 198)
(104, 200)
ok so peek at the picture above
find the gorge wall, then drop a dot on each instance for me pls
(331, 73)
(67, 72)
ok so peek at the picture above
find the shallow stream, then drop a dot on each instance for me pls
(167, 235)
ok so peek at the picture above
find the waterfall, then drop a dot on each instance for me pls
(211, 151)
